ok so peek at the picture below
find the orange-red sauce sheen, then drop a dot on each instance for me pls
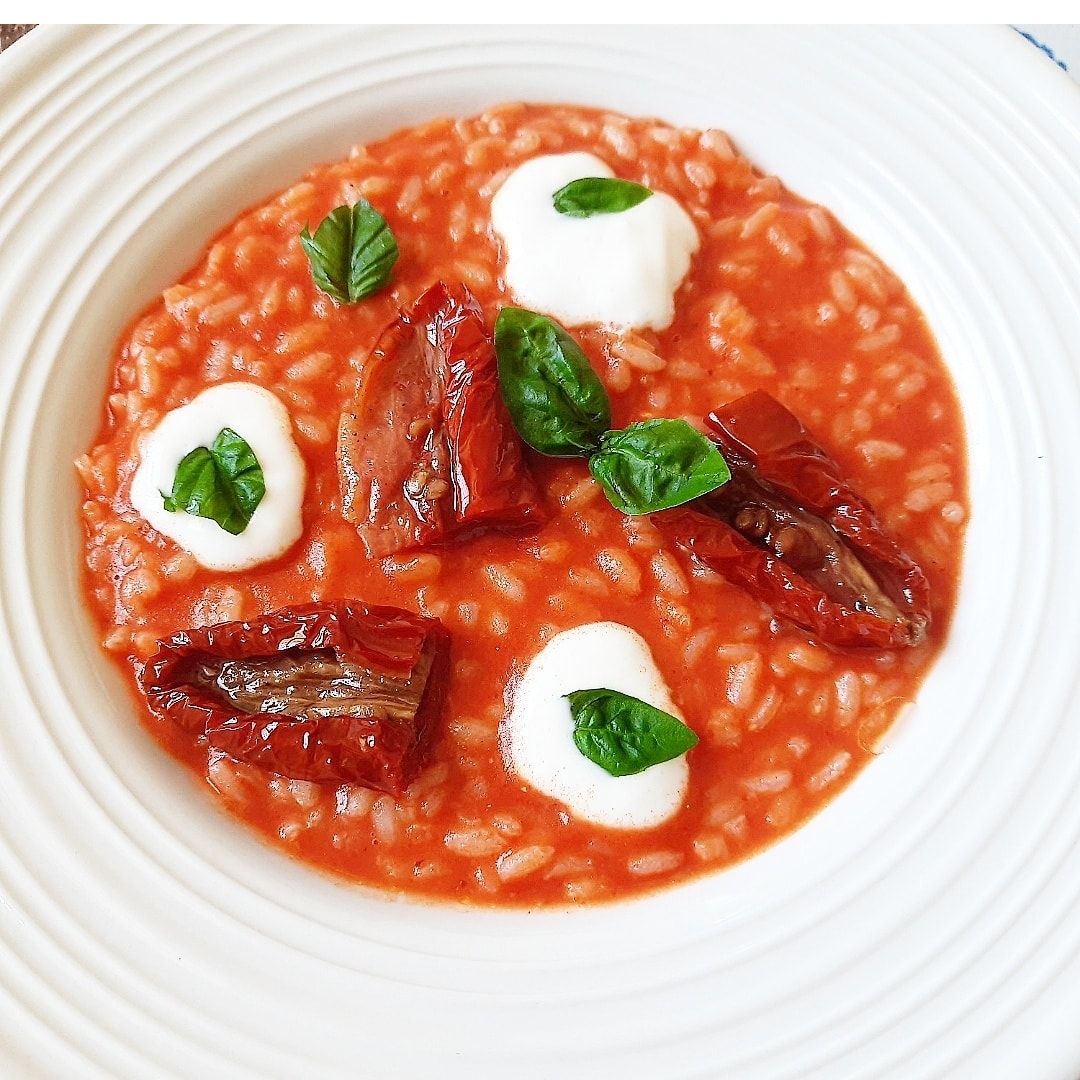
(763, 306)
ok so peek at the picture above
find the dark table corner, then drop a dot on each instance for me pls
(11, 32)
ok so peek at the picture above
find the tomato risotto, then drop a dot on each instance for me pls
(371, 687)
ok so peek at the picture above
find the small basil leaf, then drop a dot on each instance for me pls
(555, 399)
(623, 734)
(224, 483)
(657, 464)
(351, 253)
(598, 195)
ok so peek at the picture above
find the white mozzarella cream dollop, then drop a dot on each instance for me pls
(620, 269)
(538, 735)
(258, 417)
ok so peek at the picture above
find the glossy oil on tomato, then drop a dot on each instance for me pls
(778, 298)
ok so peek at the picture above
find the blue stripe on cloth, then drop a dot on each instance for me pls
(1044, 48)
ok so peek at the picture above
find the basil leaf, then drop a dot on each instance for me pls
(224, 483)
(556, 401)
(656, 464)
(623, 734)
(352, 252)
(598, 195)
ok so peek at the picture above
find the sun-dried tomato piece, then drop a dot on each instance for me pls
(792, 532)
(334, 692)
(429, 452)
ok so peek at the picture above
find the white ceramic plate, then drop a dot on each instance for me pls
(927, 924)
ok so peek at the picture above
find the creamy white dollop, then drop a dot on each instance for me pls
(258, 417)
(538, 735)
(621, 269)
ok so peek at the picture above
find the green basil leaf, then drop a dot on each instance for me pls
(224, 483)
(657, 464)
(598, 195)
(623, 734)
(556, 401)
(352, 252)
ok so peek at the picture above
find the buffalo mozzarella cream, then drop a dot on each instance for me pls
(538, 735)
(261, 420)
(621, 269)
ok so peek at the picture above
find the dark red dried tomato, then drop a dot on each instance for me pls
(334, 692)
(789, 530)
(429, 451)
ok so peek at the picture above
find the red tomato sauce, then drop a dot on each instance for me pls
(779, 297)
